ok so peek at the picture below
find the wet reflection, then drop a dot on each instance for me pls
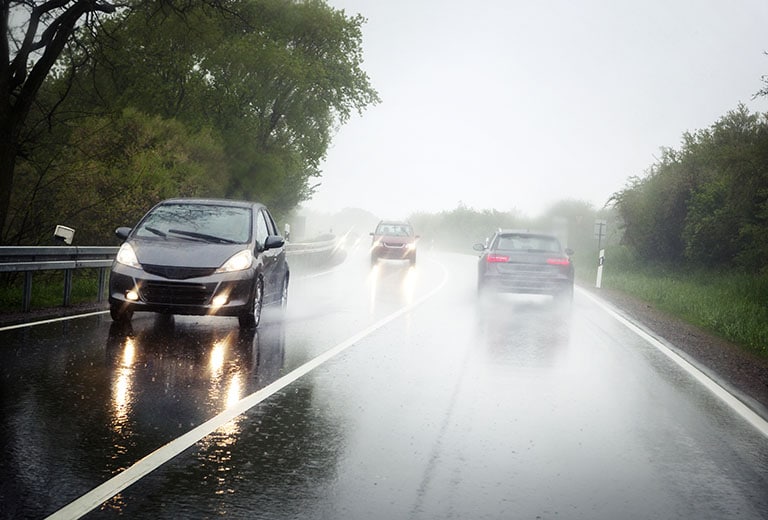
(391, 282)
(171, 374)
(122, 386)
(527, 331)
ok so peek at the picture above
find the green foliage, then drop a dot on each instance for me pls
(236, 99)
(272, 78)
(706, 204)
(113, 169)
(730, 304)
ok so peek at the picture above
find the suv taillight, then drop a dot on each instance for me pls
(496, 259)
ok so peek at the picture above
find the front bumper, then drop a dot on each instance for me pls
(193, 296)
(393, 252)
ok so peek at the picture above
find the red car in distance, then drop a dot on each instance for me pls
(394, 240)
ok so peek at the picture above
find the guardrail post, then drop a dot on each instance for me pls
(26, 297)
(102, 284)
(67, 286)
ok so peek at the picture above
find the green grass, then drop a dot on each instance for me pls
(729, 304)
(48, 290)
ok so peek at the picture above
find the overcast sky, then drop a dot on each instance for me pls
(509, 104)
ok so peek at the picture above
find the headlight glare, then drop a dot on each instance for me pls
(237, 262)
(127, 256)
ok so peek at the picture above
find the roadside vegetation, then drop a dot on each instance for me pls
(110, 107)
(48, 290)
(729, 304)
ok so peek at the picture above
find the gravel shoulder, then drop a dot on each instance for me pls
(740, 372)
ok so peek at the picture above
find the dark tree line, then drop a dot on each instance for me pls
(705, 204)
(109, 107)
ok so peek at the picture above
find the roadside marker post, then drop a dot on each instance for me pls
(600, 226)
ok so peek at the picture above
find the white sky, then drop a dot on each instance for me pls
(510, 104)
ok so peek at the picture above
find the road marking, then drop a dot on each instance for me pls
(52, 320)
(75, 316)
(710, 384)
(154, 460)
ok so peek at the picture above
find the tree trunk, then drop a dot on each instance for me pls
(8, 150)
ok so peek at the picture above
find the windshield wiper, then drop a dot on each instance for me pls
(155, 231)
(202, 236)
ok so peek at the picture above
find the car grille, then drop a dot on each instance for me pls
(177, 293)
(178, 273)
(394, 245)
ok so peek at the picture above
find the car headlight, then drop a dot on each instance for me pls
(127, 256)
(237, 262)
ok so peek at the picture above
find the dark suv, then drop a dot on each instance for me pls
(394, 239)
(525, 262)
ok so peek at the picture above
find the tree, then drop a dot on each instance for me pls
(274, 81)
(36, 35)
(706, 203)
(269, 79)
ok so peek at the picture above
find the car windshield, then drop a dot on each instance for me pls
(520, 242)
(398, 230)
(204, 222)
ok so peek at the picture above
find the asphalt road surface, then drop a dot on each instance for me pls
(389, 393)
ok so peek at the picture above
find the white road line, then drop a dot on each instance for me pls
(53, 320)
(721, 393)
(154, 460)
(75, 316)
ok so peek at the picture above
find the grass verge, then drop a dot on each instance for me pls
(729, 304)
(48, 290)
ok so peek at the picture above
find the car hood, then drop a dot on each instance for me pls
(183, 253)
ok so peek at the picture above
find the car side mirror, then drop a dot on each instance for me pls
(123, 232)
(569, 251)
(273, 242)
(478, 247)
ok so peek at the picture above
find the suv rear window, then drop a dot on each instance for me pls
(523, 242)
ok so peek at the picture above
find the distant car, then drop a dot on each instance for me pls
(393, 239)
(200, 257)
(525, 262)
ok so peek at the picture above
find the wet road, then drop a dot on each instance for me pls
(386, 393)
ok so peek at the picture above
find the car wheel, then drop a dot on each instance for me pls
(412, 259)
(374, 259)
(251, 318)
(120, 314)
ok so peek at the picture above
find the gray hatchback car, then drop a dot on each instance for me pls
(525, 262)
(200, 257)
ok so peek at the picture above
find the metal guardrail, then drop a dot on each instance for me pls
(27, 260)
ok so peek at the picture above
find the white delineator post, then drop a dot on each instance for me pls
(600, 262)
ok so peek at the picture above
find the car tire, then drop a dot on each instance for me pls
(120, 314)
(251, 318)
(412, 259)
(374, 259)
